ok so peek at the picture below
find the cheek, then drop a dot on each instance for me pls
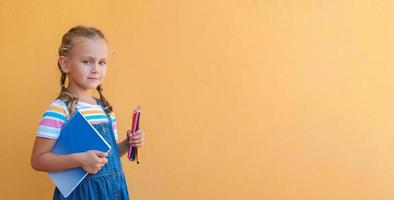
(104, 72)
(77, 68)
(82, 72)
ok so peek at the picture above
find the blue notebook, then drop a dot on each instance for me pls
(77, 135)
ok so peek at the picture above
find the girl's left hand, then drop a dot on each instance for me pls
(136, 139)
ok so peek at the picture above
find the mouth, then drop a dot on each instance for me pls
(92, 78)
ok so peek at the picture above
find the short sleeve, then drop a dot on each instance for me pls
(52, 120)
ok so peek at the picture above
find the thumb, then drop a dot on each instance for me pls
(100, 154)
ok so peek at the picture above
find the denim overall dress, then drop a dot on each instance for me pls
(109, 183)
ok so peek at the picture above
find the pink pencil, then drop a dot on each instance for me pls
(134, 128)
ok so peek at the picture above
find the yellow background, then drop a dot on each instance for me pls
(246, 99)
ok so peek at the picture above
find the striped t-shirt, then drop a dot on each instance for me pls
(56, 115)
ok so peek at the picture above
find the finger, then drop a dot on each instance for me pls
(132, 140)
(136, 141)
(99, 166)
(100, 154)
(137, 132)
(102, 160)
(129, 133)
(139, 140)
(135, 137)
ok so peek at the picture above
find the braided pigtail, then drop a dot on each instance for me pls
(66, 95)
(107, 106)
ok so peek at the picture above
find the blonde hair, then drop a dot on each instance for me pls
(64, 50)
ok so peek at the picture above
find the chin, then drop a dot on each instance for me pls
(92, 87)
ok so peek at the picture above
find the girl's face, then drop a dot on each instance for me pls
(87, 63)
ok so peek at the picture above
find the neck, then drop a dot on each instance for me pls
(83, 95)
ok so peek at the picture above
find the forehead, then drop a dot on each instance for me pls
(90, 47)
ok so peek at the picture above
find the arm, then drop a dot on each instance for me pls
(42, 158)
(123, 147)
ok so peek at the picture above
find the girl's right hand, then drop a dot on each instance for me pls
(92, 161)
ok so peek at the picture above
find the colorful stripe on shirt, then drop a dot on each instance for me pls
(56, 115)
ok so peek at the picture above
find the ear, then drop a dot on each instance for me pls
(63, 62)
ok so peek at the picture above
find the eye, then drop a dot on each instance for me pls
(102, 63)
(87, 62)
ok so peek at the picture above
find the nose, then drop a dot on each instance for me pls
(95, 68)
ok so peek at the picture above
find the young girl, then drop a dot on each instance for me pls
(83, 56)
